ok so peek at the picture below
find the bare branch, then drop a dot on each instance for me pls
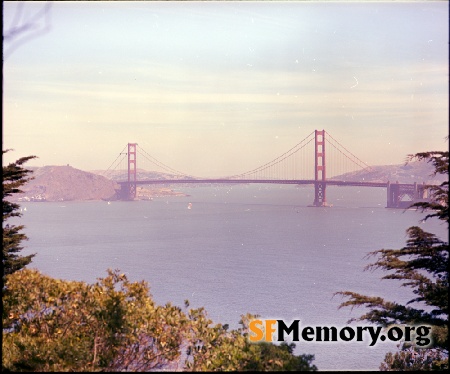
(24, 29)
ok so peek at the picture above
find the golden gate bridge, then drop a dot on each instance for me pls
(319, 159)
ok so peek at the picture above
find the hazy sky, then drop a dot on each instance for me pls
(218, 88)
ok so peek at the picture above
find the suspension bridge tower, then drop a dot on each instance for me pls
(319, 169)
(128, 189)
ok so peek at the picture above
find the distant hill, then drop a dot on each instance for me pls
(418, 171)
(65, 183)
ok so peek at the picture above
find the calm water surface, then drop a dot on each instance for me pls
(257, 249)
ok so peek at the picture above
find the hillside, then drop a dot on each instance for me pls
(65, 183)
(419, 171)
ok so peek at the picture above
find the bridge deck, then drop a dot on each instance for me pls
(255, 181)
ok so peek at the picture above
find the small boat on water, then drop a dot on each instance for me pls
(190, 206)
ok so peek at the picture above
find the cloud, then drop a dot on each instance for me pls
(168, 103)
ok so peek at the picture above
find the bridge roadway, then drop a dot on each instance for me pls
(328, 182)
(396, 192)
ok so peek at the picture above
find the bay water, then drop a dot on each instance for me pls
(236, 249)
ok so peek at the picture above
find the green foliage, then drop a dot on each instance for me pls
(55, 325)
(14, 177)
(114, 325)
(216, 349)
(439, 194)
(421, 265)
(411, 359)
(269, 357)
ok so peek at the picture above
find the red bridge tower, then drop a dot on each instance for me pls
(128, 189)
(132, 176)
(319, 169)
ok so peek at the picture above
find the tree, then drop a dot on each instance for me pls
(217, 349)
(421, 265)
(14, 177)
(20, 30)
(114, 325)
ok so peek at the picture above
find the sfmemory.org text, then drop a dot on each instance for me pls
(266, 329)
